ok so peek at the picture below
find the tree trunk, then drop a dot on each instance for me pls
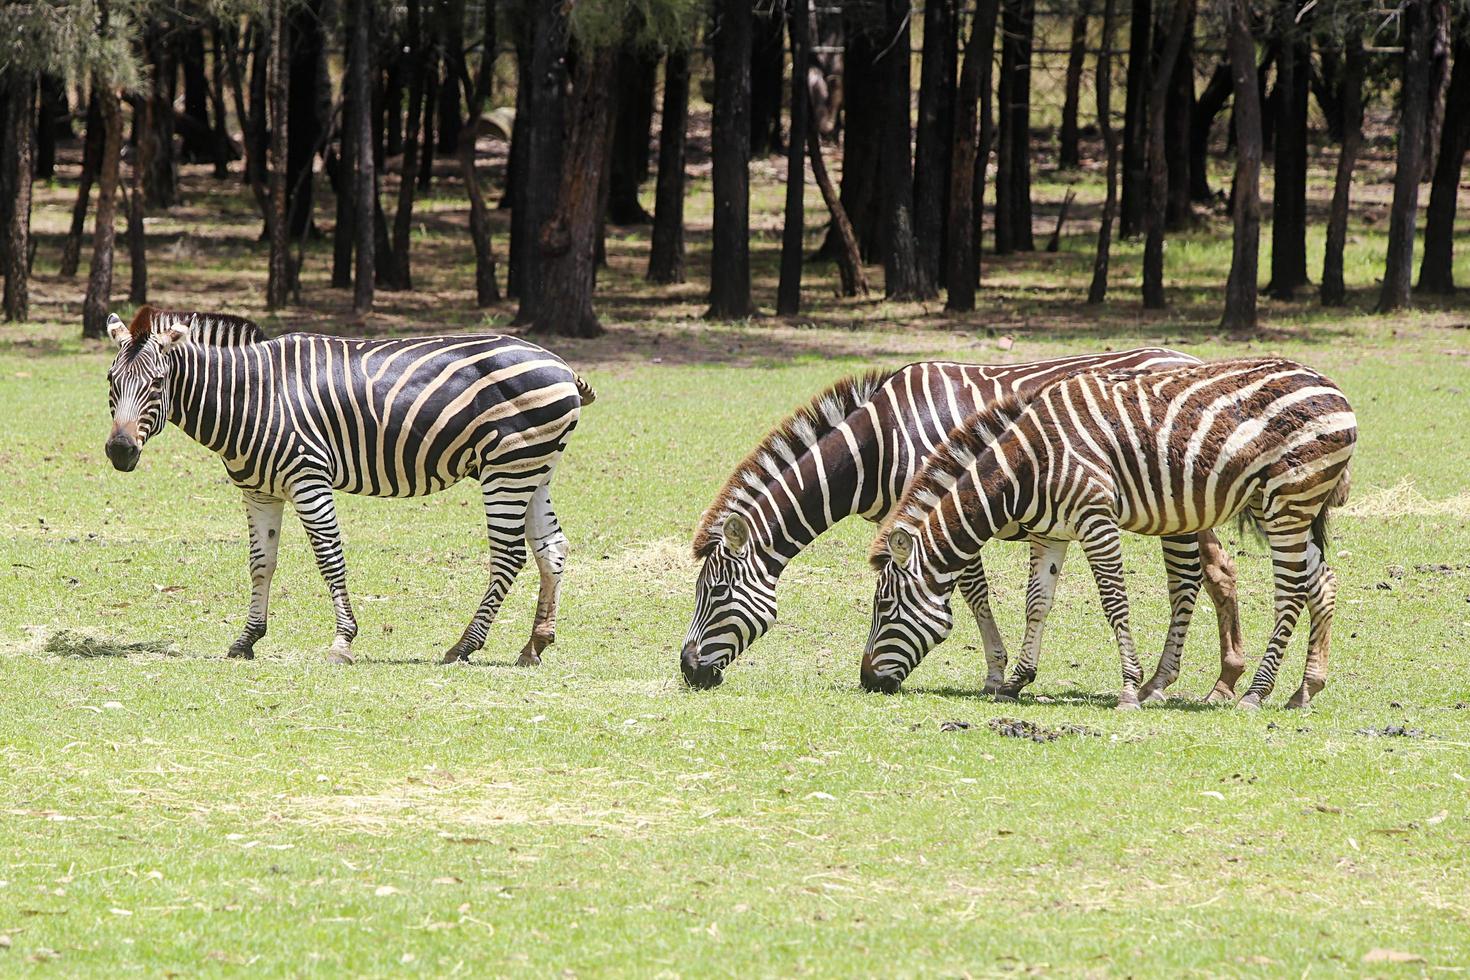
(20, 116)
(932, 149)
(544, 151)
(198, 139)
(767, 70)
(1097, 290)
(278, 279)
(414, 63)
(1439, 80)
(988, 11)
(364, 184)
(729, 292)
(1179, 109)
(903, 279)
(253, 126)
(304, 41)
(1289, 197)
(223, 152)
(1437, 270)
(849, 259)
(452, 45)
(99, 281)
(1413, 120)
(54, 122)
(862, 86)
(156, 130)
(638, 72)
(1158, 160)
(516, 179)
(1013, 171)
(788, 292)
(1201, 121)
(344, 234)
(71, 252)
(137, 238)
(1135, 121)
(1068, 157)
(1350, 101)
(1239, 316)
(960, 274)
(568, 240)
(487, 290)
(427, 140)
(666, 253)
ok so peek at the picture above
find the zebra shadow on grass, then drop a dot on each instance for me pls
(1071, 698)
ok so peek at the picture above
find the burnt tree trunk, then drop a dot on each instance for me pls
(156, 129)
(1158, 158)
(428, 140)
(54, 122)
(546, 142)
(1350, 100)
(633, 121)
(137, 241)
(1068, 157)
(788, 290)
(960, 278)
(1135, 121)
(1437, 269)
(1013, 153)
(223, 149)
(903, 278)
(1413, 120)
(344, 234)
(71, 251)
(515, 161)
(568, 240)
(487, 289)
(729, 290)
(1439, 80)
(1097, 290)
(99, 280)
(304, 41)
(278, 279)
(1289, 195)
(767, 71)
(1177, 113)
(1239, 316)
(666, 252)
(1201, 121)
(253, 125)
(932, 149)
(364, 182)
(451, 44)
(20, 115)
(988, 12)
(197, 144)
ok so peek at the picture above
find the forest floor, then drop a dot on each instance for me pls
(166, 810)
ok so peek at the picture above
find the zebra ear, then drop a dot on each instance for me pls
(736, 534)
(171, 335)
(116, 329)
(900, 546)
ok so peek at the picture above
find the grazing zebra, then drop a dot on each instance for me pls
(298, 417)
(1164, 453)
(853, 450)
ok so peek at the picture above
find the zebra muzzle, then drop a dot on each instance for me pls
(123, 452)
(697, 673)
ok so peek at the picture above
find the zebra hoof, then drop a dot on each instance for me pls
(528, 658)
(1220, 695)
(1301, 700)
(1128, 703)
(238, 652)
(339, 653)
(454, 656)
(1251, 702)
(1152, 697)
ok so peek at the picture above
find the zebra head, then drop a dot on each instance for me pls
(910, 616)
(734, 603)
(137, 385)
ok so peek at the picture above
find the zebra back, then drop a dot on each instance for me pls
(205, 329)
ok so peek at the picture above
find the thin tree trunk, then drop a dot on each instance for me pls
(1158, 161)
(221, 134)
(1179, 109)
(1239, 316)
(156, 130)
(304, 41)
(55, 115)
(546, 144)
(253, 125)
(1413, 120)
(638, 71)
(1068, 157)
(903, 279)
(1437, 270)
(767, 71)
(988, 12)
(1097, 291)
(278, 280)
(364, 185)
(666, 253)
(137, 238)
(198, 138)
(1201, 120)
(862, 86)
(568, 240)
(401, 275)
(99, 281)
(487, 290)
(932, 139)
(849, 257)
(344, 234)
(71, 252)
(1354, 65)
(1439, 80)
(1135, 121)
(20, 115)
(729, 294)
(788, 291)
(427, 140)
(960, 277)
(1289, 196)
(452, 45)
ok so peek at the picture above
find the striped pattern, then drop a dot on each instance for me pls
(1167, 453)
(853, 450)
(297, 418)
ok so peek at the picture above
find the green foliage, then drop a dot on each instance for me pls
(663, 23)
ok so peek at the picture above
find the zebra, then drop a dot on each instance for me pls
(299, 417)
(853, 450)
(1163, 453)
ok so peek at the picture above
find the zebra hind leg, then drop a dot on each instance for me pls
(549, 547)
(319, 516)
(1041, 589)
(505, 519)
(1296, 564)
(1105, 554)
(976, 592)
(1321, 602)
(1219, 575)
(264, 516)
(1182, 565)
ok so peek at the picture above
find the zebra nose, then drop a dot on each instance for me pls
(880, 681)
(123, 452)
(696, 674)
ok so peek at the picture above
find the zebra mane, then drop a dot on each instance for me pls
(790, 438)
(205, 329)
(944, 467)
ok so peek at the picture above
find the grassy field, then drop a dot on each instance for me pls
(163, 810)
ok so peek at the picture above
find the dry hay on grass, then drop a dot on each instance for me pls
(86, 644)
(662, 564)
(1404, 500)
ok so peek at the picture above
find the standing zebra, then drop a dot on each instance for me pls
(1172, 452)
(853, 450)
(298, 417)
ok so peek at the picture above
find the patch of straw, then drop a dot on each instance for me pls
(1404, 500)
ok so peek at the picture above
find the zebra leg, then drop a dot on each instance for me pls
(1105, 554)
(549, 547)
(1182, 565)
(1041, 589)
(505, 517)
(1219, 574)
(318, 515)
(1295, 563)
(1321, 602)
(264, 515)
(976, 591)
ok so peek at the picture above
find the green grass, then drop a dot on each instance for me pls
(167, 810)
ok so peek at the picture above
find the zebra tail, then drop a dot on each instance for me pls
(584, 390)
(1337, 498)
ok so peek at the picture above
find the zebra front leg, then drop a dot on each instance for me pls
(1295, 563)
(1105, 554)
(549, 547)
(264, 516)
(1321, 603)
(505, 517)
(1041, 589)
(975, 589)
(318, 515)
(1182, 565)
(1219, 575)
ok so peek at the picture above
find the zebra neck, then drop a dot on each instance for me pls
(198, 376)
(820, 488)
